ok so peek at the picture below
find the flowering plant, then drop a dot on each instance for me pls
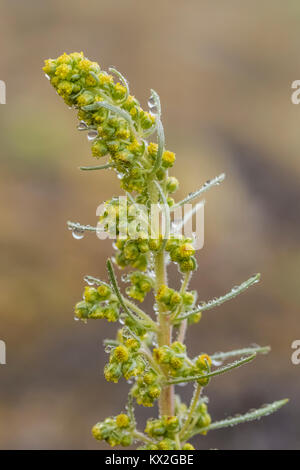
(149, 349)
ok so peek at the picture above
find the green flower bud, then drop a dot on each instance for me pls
(131, 251)
(195, 318)
(172, 184)
(188, 298)
(167, 444)
(188, 446)
(91, 294)
(188, 265)
(164, 295)
(104, 292)
(81, 310)
(99, 149)
(122, 421)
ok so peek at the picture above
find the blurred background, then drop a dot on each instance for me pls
(224, 75)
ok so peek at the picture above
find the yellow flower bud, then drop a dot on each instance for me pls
(186, 250)
(188, 446)
(96, 431)
(121, 354)
(122, 421)
(154, 391)
(168, 159)
(203, 361)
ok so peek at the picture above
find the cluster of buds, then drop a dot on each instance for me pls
(172, 300)
(188, 302)
(177, 363)
(163, 432)
(132, 253)
(182, 252)
(203, 417)
(97, 303)
(147, 388)
(141, 284)
(136, 252)
(117, 430)
(125, 360)
(114, 119)
(166, 426)
(168, 297)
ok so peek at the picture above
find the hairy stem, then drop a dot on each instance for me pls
(164, 335)
(141, 437)
(192, 408)
(183, 325)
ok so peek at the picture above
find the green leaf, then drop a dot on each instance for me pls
(123, 80)
(224, 298)
(113, 280)
(115, 109)
(99, 167)
(77, 227)
(250, 416)
(222, 356)
(219, 371)
(208, 185)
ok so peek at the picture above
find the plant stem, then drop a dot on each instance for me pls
(141, 437)
(193, 405)
(141, 313)
(183, 325)
(164, 335)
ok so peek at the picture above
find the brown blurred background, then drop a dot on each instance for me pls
(224, 72)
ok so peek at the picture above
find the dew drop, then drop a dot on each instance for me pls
(152, 105)
(92, 134)
(47, 76)
(76, 318)
(78, 233)
(89, 281)
(151, 101)
(82, 126)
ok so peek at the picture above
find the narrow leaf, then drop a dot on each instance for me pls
(123, 80)
(208, 185)
(99, 167)
(221, 356)
(224, 298)
(115, 109)
(75, 226)
(250, 416)
(113, 280)
(219, 371)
